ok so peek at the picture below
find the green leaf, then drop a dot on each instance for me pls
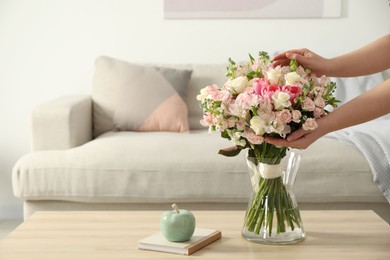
(264, 55)
(231, 69)
(225, 134)
(293, 65)
(231, 62)
(231, 151)
(251, 58)
(250, 75)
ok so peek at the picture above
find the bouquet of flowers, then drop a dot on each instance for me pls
(260, 100)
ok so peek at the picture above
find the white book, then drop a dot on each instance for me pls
(201, 238)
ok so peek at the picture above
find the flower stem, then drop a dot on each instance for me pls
(272, 205)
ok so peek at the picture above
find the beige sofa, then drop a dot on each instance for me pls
(72, 167)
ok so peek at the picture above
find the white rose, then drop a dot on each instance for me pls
(281, 100)
(237, 85)
(292, 78)
(273, 76)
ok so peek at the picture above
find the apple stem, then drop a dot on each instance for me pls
(176, 208)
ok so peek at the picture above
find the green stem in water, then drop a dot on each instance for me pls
(271, 206)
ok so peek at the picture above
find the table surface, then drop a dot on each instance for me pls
(114, 235)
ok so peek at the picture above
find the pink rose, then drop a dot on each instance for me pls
(294, 92)
(284, 116)
(310, 124)
(259, 84)
(270, 90)
(263, 88)
(296, 116)
(319, 102)
(318, 112)
(308, 104)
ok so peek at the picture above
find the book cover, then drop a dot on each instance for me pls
(201, 238)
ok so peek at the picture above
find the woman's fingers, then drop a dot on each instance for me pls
(283, 59)
(296, 134)
(297, 139)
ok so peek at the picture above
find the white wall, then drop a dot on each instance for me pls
(47, 49)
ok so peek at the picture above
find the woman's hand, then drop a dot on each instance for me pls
(308, 59)
(300, 138)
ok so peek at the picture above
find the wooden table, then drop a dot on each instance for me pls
(114, 235)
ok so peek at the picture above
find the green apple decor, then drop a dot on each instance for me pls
(177, 225)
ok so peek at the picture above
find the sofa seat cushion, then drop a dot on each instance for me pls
(133, 167)
(173, 167)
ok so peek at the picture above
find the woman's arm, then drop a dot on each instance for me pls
(374, 57)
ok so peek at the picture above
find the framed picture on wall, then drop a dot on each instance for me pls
(205, 9)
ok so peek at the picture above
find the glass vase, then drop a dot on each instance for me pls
(273, 216)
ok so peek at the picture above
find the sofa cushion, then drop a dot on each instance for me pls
(178, 78)
(173, 167)
(138, 98)
(202, 75)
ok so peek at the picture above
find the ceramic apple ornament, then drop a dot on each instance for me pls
(177, 225)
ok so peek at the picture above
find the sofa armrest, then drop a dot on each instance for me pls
(62, 123)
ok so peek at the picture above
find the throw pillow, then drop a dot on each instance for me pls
(177, 78)
(131, 97)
